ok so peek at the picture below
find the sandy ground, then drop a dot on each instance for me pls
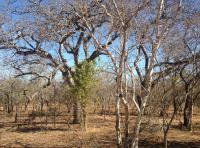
(100, 133)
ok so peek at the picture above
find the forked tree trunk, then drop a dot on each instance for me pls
(77, 113)
(135, 140)
(188, 112)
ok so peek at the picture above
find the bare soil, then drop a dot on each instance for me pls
(100, 134)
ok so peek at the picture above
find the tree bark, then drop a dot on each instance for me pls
(41, 106)
(77, 113)
(188, 112)
(25, 105)
(84, 124)
(117, 126)
(9, 104)
(16, 114)
(135, 140)
(165, 139)
(126, 131)
(136, 133)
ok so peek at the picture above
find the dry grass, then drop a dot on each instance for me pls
(100, 133)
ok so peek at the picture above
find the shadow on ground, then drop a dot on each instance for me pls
(173, 144)
(37, 129)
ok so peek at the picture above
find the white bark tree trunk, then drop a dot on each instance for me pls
(118, 126)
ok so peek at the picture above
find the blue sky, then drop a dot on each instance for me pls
(53, 47)
(50, 47)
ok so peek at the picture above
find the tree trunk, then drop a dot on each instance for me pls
(54, 117)
(8, 104)
(25, 105)
(95, 106)
(136, 133)
(16, 114)
(117, 126)
(188, 112)
(84, 118)
(41, 107)
(77, 113)
(11, 105)
(126, 131)
(165, 139)
(135, 140)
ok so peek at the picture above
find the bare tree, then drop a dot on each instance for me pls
(139, 38)
(54, 38)
(129, 26)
